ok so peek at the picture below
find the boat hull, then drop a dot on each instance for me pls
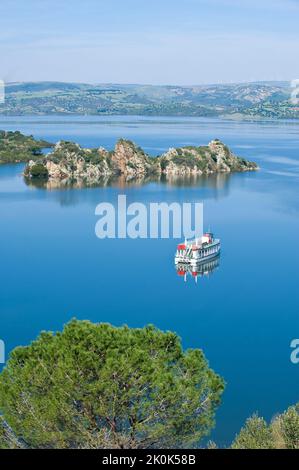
(195, 261)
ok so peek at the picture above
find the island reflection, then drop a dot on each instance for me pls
(217, 181)
(67, 194)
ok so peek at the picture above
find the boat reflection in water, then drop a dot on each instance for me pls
(202, 269)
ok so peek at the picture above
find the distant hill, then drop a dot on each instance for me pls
(253, 100)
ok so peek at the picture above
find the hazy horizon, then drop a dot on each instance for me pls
(150, 84)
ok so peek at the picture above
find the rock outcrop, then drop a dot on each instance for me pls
(130, 160)
(71, 163)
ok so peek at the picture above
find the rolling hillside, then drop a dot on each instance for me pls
(261, 99)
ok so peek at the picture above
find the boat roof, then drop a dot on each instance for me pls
(216, 241)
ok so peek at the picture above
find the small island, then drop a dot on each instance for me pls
(69, 163)
(16, 147)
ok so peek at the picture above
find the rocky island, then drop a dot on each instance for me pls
(16, 147)
(70, 163)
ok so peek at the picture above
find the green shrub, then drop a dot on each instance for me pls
(38, 170)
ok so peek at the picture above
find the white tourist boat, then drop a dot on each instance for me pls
(199, 250)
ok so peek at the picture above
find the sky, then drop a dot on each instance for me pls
(180, 42)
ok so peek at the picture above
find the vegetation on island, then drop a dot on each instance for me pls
(97, 386)
(38, 171)
(16, 147)
(69, 162)
(237, 100)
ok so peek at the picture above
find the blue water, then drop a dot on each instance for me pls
(243, 316)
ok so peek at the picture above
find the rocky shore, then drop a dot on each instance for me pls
(70, 163)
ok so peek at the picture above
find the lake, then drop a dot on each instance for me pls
(243, 315)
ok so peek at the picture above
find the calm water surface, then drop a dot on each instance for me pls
(244, 315)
